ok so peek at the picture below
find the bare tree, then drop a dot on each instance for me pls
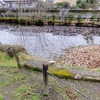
(39, 11)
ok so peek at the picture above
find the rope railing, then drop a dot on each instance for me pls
(45, 77)
(86, 97)
(45, 71)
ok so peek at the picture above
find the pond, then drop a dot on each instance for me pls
(45, 44)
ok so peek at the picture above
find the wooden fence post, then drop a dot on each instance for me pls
(17, 58)
(45, 79)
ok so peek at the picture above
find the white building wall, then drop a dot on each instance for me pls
(0, 5)
(14, 4)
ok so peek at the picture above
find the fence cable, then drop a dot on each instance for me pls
(87, 98)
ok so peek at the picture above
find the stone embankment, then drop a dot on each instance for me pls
(56, 30)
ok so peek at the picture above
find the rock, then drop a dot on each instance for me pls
(51, 63)
(77, 76)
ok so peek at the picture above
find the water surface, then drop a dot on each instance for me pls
(46, 45)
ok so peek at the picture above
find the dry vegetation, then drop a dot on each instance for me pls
(83, 56)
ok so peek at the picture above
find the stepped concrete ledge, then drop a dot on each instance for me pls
(86, 75)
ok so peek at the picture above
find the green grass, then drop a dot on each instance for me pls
(11, 61)
(24, 91)
(1, 72)
(1, 83)
(8, 58)
(7, 61)
(71, 67)
(36, 97)
(19, 76)
(1, 97)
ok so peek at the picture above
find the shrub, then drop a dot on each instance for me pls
(79, 24)
(53, 17)
(39, 23)
(98, 19)
(70, 18)
(92, 18)
(79, 18)
(44, 17)
(50, 22)
(10, 52)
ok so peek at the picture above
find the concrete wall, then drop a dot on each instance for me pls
(83, 13)
(86, 14)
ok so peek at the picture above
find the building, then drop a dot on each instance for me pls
(50, 1)
(99, 6)
(72, 2)
(1, 4)
(20, 3)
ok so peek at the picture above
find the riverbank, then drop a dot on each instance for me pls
(55, 30)
(42, 41)
(81, 58)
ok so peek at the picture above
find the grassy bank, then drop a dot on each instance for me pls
(27, 84)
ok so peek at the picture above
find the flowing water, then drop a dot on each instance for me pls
(45, 45)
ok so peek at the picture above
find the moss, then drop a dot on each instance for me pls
(11, 61)
(16, 47)
(32, 68)
(61, 73)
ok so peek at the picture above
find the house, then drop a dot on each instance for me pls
(50, 1)
(2, 4)
(15, 4)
